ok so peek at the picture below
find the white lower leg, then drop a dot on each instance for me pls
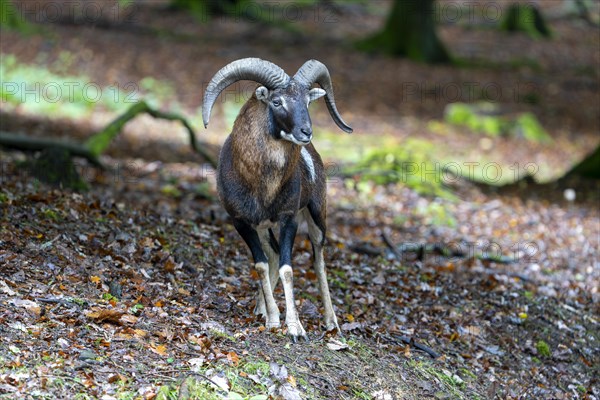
(273, 258)
(272, 312)
(294, 326)
(261, 308)
(330, 318)
(274, 270)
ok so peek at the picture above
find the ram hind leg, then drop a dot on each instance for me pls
(316, 233)
(271, 249)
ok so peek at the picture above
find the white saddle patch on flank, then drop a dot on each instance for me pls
(309, 163)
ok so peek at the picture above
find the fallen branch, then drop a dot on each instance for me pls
(99, 142)
(411, 342)
(28, 143)
(584, 13)
(366, 248)
(66, 301)
(388, 242)
(420, 249)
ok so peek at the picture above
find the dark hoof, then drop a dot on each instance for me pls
(303, 337)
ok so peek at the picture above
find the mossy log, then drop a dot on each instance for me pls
(99, 142)
(589, 167)
(93, 147)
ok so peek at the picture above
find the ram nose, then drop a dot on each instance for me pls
(304, 135)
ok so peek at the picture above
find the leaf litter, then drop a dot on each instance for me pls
(192, 315)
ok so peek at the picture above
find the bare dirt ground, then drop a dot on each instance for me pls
(140, 288)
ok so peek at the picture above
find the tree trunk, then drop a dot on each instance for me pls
(525, 18)
(204, 8)
(410, 32)
(589, 167)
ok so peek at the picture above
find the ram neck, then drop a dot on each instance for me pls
(262, 162)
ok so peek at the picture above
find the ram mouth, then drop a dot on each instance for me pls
(291, 138)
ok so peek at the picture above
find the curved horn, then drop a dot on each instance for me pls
(314, 71)
(252, 69)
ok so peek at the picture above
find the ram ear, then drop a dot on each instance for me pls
(315, 94)
(262, 93)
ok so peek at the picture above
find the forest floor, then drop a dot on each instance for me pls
(140, 287)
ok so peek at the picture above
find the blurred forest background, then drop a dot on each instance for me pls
(476, 124)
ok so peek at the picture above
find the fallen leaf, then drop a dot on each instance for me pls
(197, 361)
(288, 392)
(233, 358)
(292, 380)
(128, 319)
(278, 371)
(19, 326)
(29, 305)
(379, 279)
(104, 315)
(351, 326)
(5, 289)
(381, 395)
(220, 381)
(336, 345)
(159, 349)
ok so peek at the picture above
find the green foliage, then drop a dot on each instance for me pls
(51, 214)
(543, 349)
(473, 117)
(453, 385)
(198, 8)
(165, 392)
(109, 297)
(527, 126)
(241, 386)
(484, 118)
(525, 18)
(410, 163)
(10, 18)
(203, 10)
(39, 90)
(230, 112)
(347, 148)
(251, 10)
(256, 367)
(136, 308)
(437, 214)
(157, 92)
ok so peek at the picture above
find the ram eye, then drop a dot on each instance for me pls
(276, 103)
